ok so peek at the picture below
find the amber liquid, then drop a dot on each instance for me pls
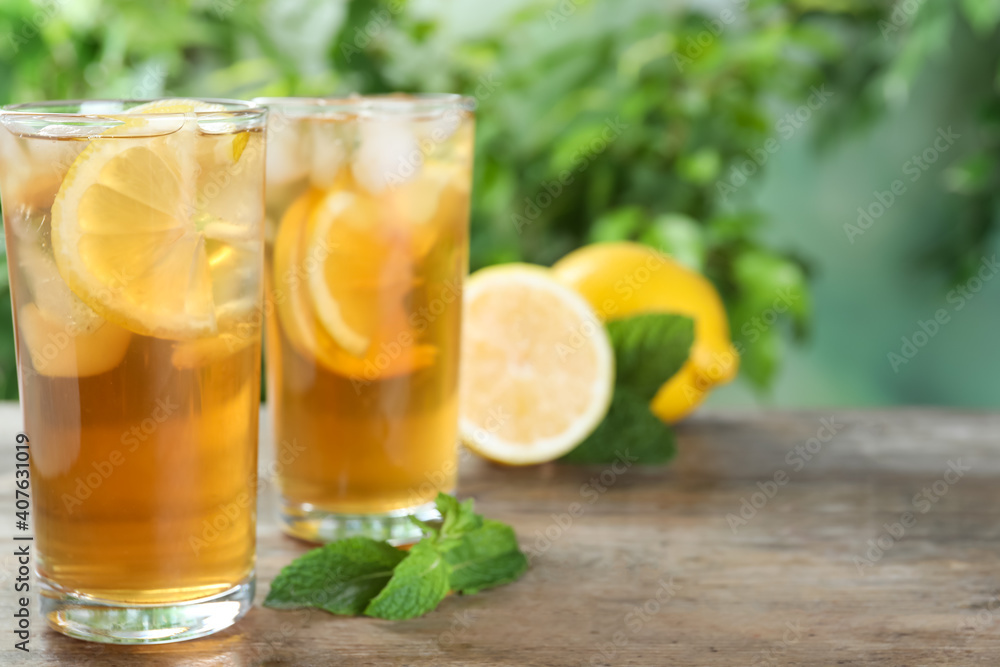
(355, 443)
(144, 477)
(143, 450)
(352, 445)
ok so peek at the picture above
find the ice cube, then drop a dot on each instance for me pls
(388, 154)
(332, 142)
(287, 156)
(228, 182)
(417, 202)
(437, 130)
(50, 292)
(32, 170)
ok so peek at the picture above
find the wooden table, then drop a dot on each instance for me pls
(656, 569)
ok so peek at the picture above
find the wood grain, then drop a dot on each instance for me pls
(651, 572)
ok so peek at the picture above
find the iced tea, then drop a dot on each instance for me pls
(367, 244)
(135, 251)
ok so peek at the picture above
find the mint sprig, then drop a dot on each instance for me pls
(418, 585)
(649, 349)
(485, 558)
(463, 552)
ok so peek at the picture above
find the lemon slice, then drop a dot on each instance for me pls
(335, 210)
(537, 366)
(341, 280)
(131, 236)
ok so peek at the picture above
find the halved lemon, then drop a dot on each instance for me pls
(133, 237)
(537, 366)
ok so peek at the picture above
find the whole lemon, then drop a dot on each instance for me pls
(621, 279)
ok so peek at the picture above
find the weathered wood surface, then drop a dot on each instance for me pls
(787, 588)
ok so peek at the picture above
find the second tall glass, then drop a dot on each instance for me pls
(367, 246)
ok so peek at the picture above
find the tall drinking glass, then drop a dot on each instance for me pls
(366, 250)
(135, 251)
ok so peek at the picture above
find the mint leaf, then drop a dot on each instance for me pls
(629, 432)
(341, 577)
(459, 518)
(417, 586)
(456, 518)
(649, 349)
(486, 557)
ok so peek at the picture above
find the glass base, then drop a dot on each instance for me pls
(306, 522)
(109, 622)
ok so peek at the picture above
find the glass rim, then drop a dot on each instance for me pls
(397, 104)
(233, 108)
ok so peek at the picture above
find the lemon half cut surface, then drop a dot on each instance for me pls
(132, 237)
(537, 366)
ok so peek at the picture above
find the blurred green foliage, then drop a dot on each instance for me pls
(597, 119)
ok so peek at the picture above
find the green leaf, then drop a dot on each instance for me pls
(983, 15)
(971, 175)
(617, 225)
(486, 557)
(341, 577)
(417, 586)
(759, 360)
(630, 433)
(700, 167)
(649, 349)
(680, 237)
(458, 518)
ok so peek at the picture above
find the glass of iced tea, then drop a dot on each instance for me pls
(366, 250)
(135, 249)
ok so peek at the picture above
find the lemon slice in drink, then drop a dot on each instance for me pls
(537, 366)
(130, 236)
(341, 284)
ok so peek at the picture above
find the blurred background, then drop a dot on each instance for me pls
(831, 165)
